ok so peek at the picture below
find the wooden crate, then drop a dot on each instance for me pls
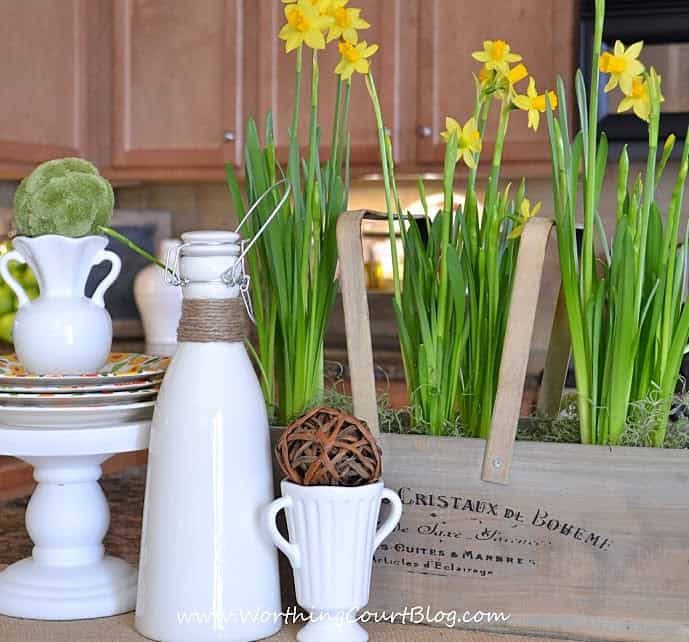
(582, 541)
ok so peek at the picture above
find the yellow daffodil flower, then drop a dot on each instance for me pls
(354, 58)
(517, 73)
(622, 65)
(490, 80)
(346, 22)
(496, 55)
(468, 139)
(639, 99)
(525, 213)
(534, 103)
(305, 24)
(486, 76)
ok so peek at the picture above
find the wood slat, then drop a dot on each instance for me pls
(497, 460)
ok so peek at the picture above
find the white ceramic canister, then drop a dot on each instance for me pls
(62, 331)
(208, 570)
(333, 533)
(160, 305)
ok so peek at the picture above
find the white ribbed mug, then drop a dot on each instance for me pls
(333, 535)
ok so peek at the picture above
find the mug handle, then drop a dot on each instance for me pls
(290, 550)
(13, 255)
(106, 255)
(392, 519)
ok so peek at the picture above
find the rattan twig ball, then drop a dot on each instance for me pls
(327, 447)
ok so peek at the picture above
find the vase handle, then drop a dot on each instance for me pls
(106, 255)
(290, 550)
(13, 255)
(392, 519)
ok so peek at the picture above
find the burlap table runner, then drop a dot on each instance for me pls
(121, 629)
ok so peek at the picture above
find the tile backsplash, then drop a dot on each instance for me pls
(194, 206)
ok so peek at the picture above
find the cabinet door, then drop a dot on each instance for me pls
(393, 28)
(177, 82)
(43, 93)
(542, 31)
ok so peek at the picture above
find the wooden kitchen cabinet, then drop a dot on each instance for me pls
(177, 83)
(393, 28)
(161, 89)
(542, 31)
(43, 80)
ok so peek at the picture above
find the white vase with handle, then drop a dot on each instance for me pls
(62, 331)
(333, 534)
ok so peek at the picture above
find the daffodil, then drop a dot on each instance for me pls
(504, 83)
(346, 22)
(496, 55)
(354, 58)
(468, 139)
(525, 213)
(622, 65)
(486, 76)
(305, 24)
(639, 99)
(517, 73)
(534, 103)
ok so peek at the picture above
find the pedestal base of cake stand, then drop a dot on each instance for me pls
(68, 576)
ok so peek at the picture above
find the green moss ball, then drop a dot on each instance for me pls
(65, 196)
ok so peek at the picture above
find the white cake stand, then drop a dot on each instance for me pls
(68, 576)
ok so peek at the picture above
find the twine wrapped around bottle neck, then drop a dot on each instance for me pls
(207, 320)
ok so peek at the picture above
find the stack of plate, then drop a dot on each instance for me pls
(124, 390)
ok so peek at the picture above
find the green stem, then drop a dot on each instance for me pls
(297, 95)
(131, 245)
(481, 111)
(335, 141)
(371, 86)
(294, 158)
(494, 177)
(588, 258)
(653, 132)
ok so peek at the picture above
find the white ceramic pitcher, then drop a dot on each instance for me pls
(333, 536)
(62, 331)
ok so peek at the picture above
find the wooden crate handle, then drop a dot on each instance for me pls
(357, 322)
(497, 458)
(520, 324)
(556, 361)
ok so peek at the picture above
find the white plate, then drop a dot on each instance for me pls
(87, 416)
(121, 366)
(83, 388)
(73, 400)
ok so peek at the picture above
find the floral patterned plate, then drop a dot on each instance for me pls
(76, 399)
(137, 384)
(121, 366)
(83, 417)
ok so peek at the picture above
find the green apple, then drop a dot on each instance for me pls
(7, 299)
(28, 279)
(6, 326)
(16, 269)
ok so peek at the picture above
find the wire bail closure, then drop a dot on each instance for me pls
(236, 274)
